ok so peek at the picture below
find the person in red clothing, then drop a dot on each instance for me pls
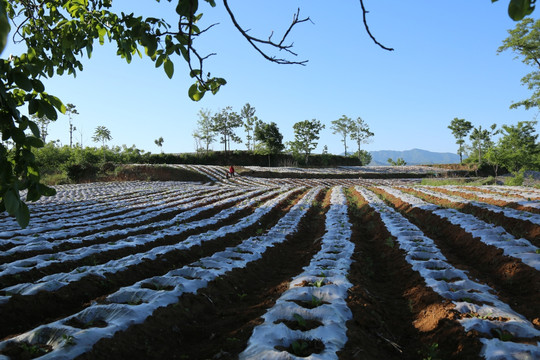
(230, 172)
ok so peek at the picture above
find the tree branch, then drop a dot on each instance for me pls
(279, 45)
(364, 11)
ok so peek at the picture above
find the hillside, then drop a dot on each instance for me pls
(413, 157)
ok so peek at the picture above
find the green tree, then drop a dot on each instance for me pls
(306, 134)
(524, 41)
(481, 140)
(270, 139)
(518, 147)
(205, 132)
(460, 129)
(43, 123)
(360, 133)
(159, 142)
(224, 123)
(102, 134)
(364, 157)
(248, 114)
(70, 111)
(397, 162)
(343, 126)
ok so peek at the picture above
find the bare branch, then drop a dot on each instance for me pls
(367, 28)
(279, 46)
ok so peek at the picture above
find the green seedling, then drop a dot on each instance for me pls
(68, 340)
(503, 335)
(34, 350)
(298, 347)
(315, 301)
(389, 242)
(319, 283)
(431, 353)
(242, 296)
(300, 320)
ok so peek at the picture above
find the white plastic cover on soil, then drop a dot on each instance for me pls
(56, 281)
(469, 297)
(508, 212)
(133, 304)
(329, 267)
(487, 233)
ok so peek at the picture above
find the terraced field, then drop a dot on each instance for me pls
(255, 268)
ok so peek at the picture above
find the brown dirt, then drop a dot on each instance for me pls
(21, 313)
(518, 228)
(218, 320)
(395, 315)
(515, 283)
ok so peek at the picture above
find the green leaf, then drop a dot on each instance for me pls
(46, 190)
(169, 68)
(34, 141)
(4, 27)
(46, 109)
(22, 81)
(194, 93)
(34, 128)
(159, 60)
(187, 7)
(38, 86)
(518, 9)
(23, 215)
(33, 106)
(11, 202)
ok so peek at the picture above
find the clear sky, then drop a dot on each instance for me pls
(445, 65)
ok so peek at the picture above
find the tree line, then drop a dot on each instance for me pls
(516, 150)
(266, 138)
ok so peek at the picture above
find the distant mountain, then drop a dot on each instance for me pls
(413, 157)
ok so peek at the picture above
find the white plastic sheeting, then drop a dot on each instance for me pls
(330, 265)
(489, 234)
(55, 281)
(508, 212)
(425, 258)
(508, 198)
(133, 304)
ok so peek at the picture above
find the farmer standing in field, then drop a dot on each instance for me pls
(230, 172)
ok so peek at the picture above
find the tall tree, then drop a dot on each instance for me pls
(481, 140)
(518, 147)
(270, 138)
(205, 129)
(460, 129)
(248, 114)
(343, 126)
(306, 134)
(224, 123)
(43, 123)
(524, 41)
(360, 133)
(159, 142)
(70, 111)
(102, 134)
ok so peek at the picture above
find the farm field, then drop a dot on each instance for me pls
(281, 268)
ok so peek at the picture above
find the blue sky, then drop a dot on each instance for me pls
(445, 65)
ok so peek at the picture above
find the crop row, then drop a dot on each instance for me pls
(175, 252)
